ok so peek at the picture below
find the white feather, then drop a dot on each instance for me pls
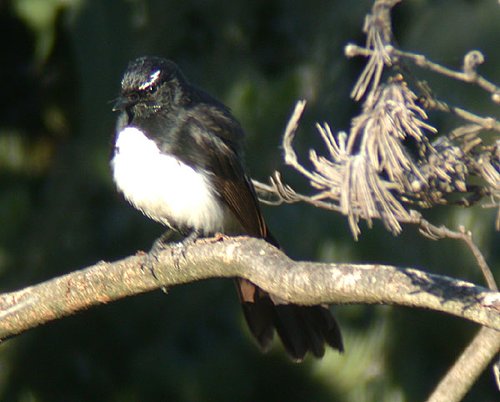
(152, 79)
(161, 186)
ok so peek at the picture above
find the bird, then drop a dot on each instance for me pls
(178, 158)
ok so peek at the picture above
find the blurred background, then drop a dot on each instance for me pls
(60, 69)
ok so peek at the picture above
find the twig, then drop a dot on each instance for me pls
(488, 122)
(434, 232)
(469, 74)
(290, 156)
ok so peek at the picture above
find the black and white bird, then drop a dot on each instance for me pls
(178, 158)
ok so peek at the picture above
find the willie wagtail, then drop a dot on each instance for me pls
(178, 158)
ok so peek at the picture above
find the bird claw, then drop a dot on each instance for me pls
(152, 257)
(177, 250)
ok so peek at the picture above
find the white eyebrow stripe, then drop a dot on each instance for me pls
(152, 78)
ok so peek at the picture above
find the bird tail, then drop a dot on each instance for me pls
(302, 329)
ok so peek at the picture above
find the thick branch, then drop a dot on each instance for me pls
(298, 282)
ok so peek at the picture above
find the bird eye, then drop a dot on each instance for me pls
(133, 97)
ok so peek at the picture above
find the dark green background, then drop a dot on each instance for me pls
(61, 63)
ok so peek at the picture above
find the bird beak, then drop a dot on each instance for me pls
(120, 104)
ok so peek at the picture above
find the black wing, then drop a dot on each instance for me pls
(213, 143)
(210, 138)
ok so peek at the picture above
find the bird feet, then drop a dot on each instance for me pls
(177, 250)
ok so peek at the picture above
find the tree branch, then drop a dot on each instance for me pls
(299, 282)
(471, 363)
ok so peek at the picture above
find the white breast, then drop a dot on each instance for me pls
(162, 187)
